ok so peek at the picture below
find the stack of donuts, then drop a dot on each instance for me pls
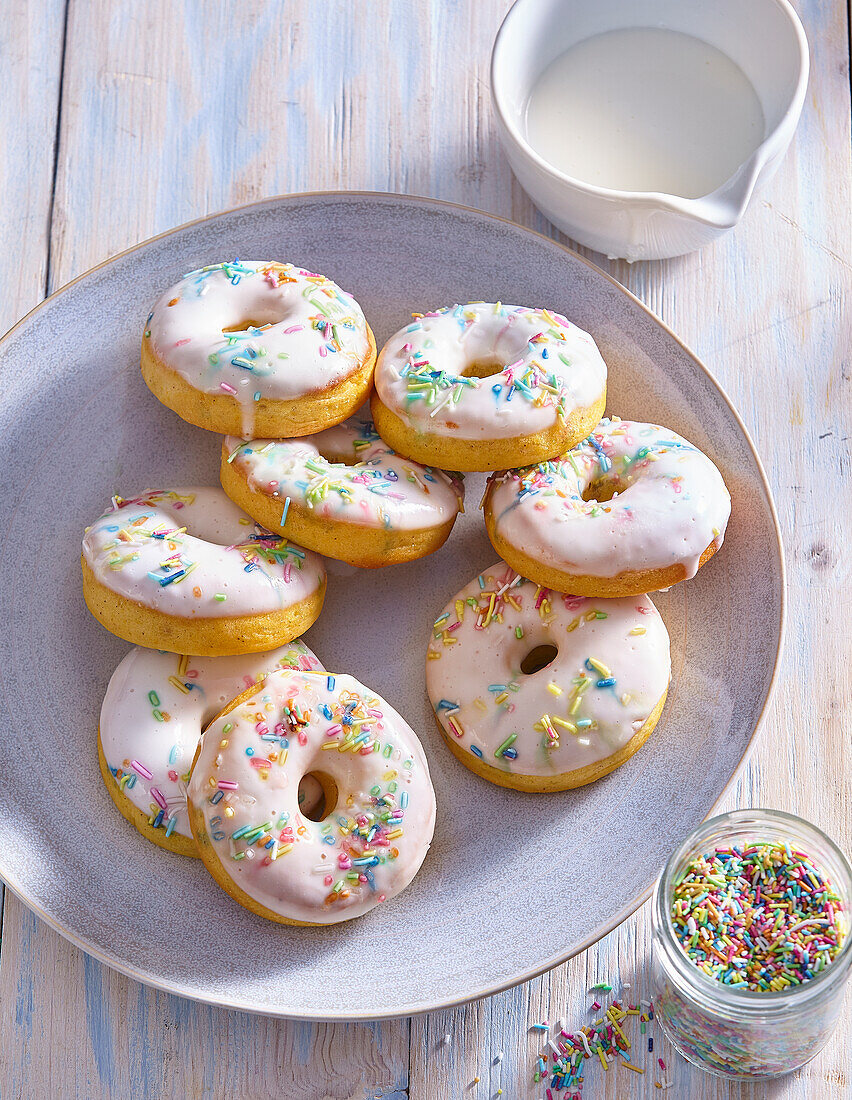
(306, 795)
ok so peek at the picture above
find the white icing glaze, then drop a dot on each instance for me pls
(311, 870)
(153, 713)
(671, 503)
(312, 334)
(348, 474)
(481, 696)
(138, 549)
(549, 368)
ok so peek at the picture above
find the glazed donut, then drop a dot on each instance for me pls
(152, 716)
(185, 570)
(487, 386)
(258, 348)
(543, 692)
(634, 508)
(379, 807)
(343, 493)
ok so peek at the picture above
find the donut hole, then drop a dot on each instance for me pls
(257, 319)
(336, 459)
(318, 795)
(483, 368)
(602, 490)
(538, 658)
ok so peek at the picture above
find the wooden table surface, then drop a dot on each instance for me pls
(122, 119)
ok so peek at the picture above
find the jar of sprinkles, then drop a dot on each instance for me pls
(751, 951)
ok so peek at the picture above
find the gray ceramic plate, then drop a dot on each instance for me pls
(514, 883)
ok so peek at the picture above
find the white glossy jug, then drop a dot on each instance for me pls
(765, 38)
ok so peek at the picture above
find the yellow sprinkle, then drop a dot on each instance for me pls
(331, 745)
(501, 698)
(393, 834)
(600, 667)
(283, 850)
(180, 686)
(638, 630)
(575, 705)
(432, 655)
(554, 689)
(480, 704)
(572, 625)
(589, 616)
(460, 610)
(604, 1062)
(636, 1069)
(183, 665)
(565, 724)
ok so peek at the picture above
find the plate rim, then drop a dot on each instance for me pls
(621, 915)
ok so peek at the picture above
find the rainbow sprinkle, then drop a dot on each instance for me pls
(760, 917)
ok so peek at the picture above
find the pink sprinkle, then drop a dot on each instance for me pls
(596, 1006)
(292, 329)
(344, 862)
(157, 795)
(228, 389)
(661, 1063)
(328, 880)
(180, 343)
(303, 738)
(143, 771)
(259, 762)
(287, 569)
(407, 347)
(322, 351)
(333, 731)
(228, 785)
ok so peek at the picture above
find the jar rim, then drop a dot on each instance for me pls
(749, 1000)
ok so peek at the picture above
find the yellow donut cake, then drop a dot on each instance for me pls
(543, 692)
(256, 348)
(151, 720)
(343, 493)
(185, 570)
(376, 823)
(634, 508)
(486, 386)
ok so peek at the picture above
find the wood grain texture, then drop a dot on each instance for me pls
(172, 110)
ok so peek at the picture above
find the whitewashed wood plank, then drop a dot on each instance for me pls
(31, 58)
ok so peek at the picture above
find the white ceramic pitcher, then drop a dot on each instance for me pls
(765, 38)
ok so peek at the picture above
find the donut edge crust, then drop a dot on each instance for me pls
(633, 583)
(203, 637)
(182, 845)
(221, 413)
(563, 781)
(369, 548)
(484, 455)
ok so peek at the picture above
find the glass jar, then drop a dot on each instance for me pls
(737, 1032)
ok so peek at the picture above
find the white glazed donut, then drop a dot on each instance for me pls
(543, 692)
(486, 386)
(258, 348)
(151, 720)
(185, 570)
(343, 493)
(657, 509)
(244, 813)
